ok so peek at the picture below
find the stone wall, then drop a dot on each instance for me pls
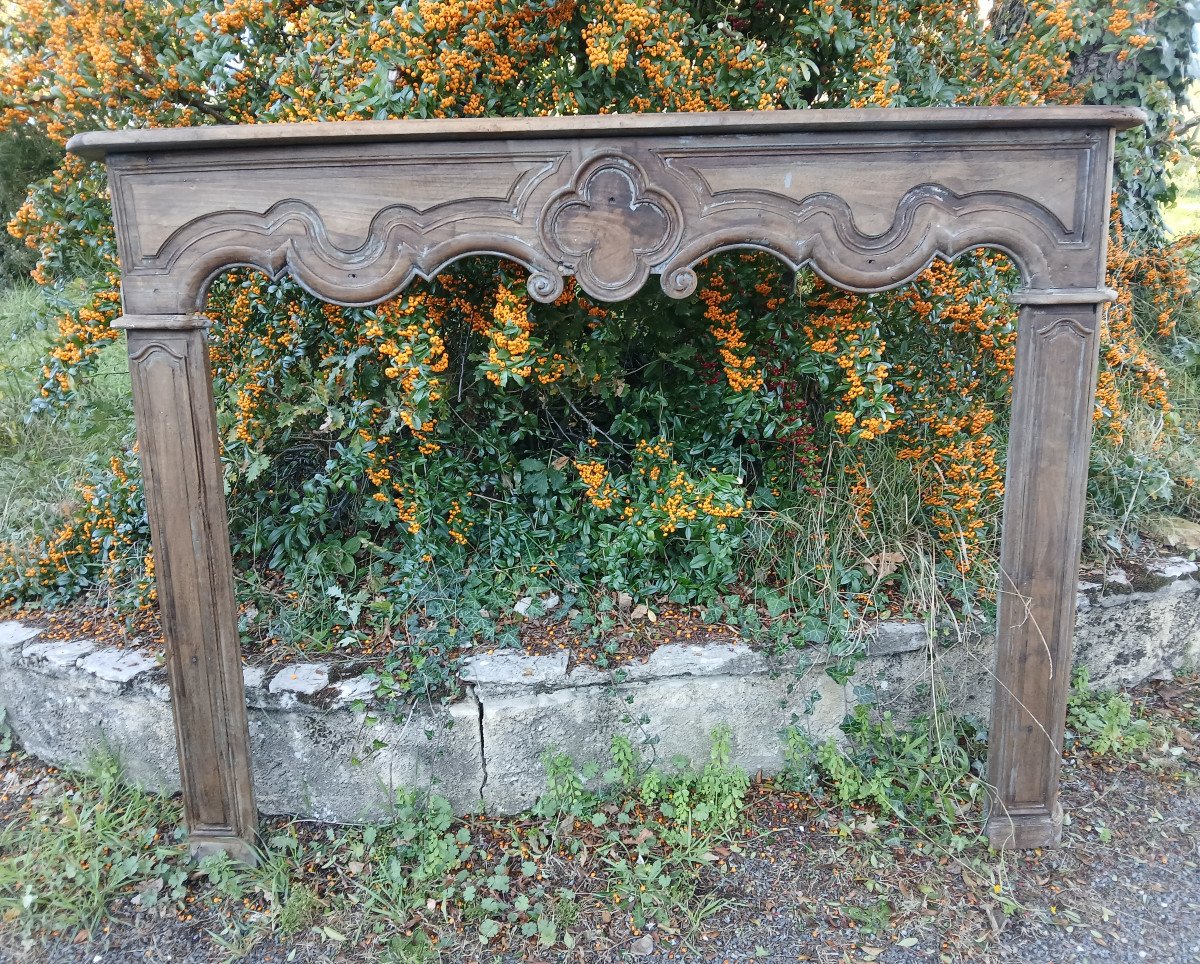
(315, 754)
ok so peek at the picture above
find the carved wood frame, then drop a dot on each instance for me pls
(867, 198)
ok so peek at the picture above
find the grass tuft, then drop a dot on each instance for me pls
(42, 458)
(82, 846)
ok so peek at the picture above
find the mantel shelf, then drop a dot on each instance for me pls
(95, 145)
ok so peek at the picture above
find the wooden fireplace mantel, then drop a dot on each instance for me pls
(355, 211)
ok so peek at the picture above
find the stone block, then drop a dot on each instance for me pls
(13, 635)
(328, 764)
(356, 688)
(897, 683)
(894, 637)
(254, 676)
(117, 665)
(1163, 572)
(307, 761)
(302, 678)
(669, 705)
(517, 668)
(58, 654)
(1180, 533)
(65, 716)
(1124, 640)
(962, 674)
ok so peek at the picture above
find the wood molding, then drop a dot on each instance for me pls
(183, 322)
(97, 145)
(1063, 296)
(356, 223)
(866, 198)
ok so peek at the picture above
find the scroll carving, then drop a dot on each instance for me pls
(145, 360)
(292, 238)
(1048, 333)
(609, 228)
(929, 222)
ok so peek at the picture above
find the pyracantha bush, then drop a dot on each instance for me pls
(404, 466)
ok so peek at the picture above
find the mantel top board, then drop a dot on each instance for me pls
(95, 145)
(355, 211)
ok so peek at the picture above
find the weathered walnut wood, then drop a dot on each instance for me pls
(185, 500)
(98, 144)
(356, 222)
(1053, 396)
(867, 198)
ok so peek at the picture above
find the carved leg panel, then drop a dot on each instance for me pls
(1053, 396)
(185, 499)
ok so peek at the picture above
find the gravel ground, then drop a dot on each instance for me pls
(1133, 898)
(819, 886)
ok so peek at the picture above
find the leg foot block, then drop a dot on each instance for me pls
(238, 849)
(1025, 831)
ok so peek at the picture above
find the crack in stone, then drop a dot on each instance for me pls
(482, 745)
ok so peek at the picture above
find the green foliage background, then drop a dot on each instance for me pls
(774, 453)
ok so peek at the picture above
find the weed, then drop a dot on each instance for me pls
(920, 774)
(721, 788)
(873, 918)
(1103, 723)
(626, 763)
(299, 909)
(565, 793)
(83, 846)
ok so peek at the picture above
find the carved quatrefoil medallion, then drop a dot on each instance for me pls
(609, 228)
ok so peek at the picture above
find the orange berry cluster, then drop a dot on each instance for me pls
(741, 368)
